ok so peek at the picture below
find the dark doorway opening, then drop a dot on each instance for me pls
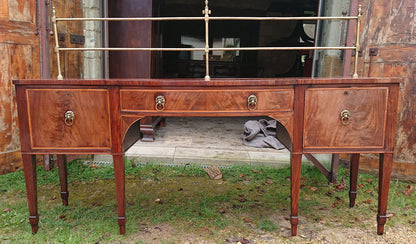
(222, 33)
(245, 33)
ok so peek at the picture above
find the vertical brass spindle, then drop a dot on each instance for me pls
(206, 12)
(357, 42)
(60, 77)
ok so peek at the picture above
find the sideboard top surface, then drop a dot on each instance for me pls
(202, 83)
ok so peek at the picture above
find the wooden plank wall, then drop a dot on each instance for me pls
(71, 62)
(18, 60)
(389, 27)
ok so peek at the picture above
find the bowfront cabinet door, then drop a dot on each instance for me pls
(69, 118)
(345, 117)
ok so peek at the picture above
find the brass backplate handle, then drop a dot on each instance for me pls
(252, 102)
(160, 103)
(69, 118)
(345, 117)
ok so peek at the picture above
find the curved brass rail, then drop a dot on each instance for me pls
(206, 18)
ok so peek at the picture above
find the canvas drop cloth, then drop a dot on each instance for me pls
(262, 134)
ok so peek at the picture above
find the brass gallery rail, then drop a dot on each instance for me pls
(208, 49)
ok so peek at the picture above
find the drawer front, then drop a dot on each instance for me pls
(207, 100)
(361, 126)
(89, 128)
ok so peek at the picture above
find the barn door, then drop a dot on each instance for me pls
(70, 34)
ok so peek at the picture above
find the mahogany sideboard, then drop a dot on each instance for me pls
(342, 115)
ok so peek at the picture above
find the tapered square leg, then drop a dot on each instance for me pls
(120, 191)
(295, 166)
(355, 160)
(386, 163)
(63, 175)
(334, 168)
(29, 167)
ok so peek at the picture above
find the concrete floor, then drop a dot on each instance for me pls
(204, 141)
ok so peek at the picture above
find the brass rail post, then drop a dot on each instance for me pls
(60, 77)
(357, 42)
(206, 12)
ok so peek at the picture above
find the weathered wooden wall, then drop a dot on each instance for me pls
(389, 28)
(19, 55)
(19, 59)
(71, 62)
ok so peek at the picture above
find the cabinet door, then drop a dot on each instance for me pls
(362, 124)
(89, 128)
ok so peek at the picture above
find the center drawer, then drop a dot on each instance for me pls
(207, 100)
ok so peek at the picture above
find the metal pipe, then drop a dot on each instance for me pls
(317, 39)
(106, 64)
(43, 41)
(278, 48)
(210, 18)
(206, 12)
(60, 77)
(129, 49)
(357, 42)
(131, 19)
(37, 17)
(50, 17)
(350, 40)
(342, 40)
(42, 14)
(285, 18)
(203, 49)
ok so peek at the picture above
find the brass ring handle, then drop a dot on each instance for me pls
(69, 117)
(160, 103)
(345, 117)
(252, 102)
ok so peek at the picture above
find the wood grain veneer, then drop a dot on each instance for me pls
(46, 112)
